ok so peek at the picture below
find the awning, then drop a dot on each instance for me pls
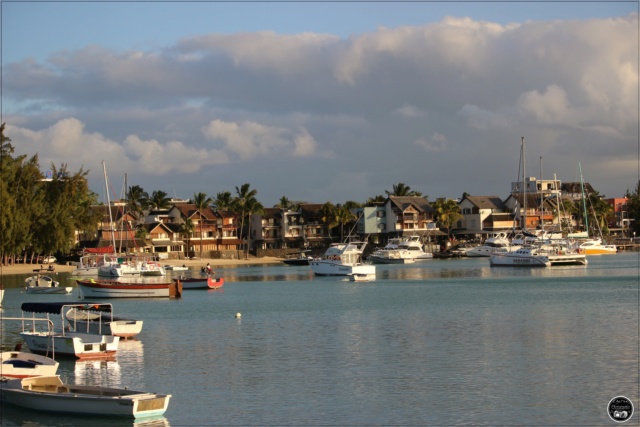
(56, 307)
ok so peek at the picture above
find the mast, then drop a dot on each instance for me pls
(106, 186)
(584, 202)
(524, 188)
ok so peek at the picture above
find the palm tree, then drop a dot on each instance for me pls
(329, 216)
(223, 201)
(202, 202)
(344, 216)
(158, 200)
(136, 197)
(252, 206)
(448, 212)
(283, 203)
(186, 229)
(244, 195)
(402, 189)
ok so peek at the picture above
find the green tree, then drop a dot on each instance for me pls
(202, 202)
(223, 201)
(244, 198)
(329, 216)
(447, 213)
(402, 189)
(633, 209)
(136, 199)
(186, 229)
(158, 200)
(344, 216)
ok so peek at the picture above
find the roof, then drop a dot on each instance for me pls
(404, 202)
(486, 202)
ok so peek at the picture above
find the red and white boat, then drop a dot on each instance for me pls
(135, 289)
(200, 282)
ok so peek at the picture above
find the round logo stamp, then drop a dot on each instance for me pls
(620, 409)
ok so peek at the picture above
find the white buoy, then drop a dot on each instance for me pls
(238, 315)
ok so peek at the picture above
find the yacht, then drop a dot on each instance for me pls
(342, 259)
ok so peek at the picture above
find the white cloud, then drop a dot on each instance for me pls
(434, 143)
(250, 139)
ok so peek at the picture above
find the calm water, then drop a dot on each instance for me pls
(437, 343)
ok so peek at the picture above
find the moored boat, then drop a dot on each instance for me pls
(99, 319)
(45, 285)
(64, 342)
(19, 364)
(299, 259)
(595, 247)
(92, 288)
(342, 259)
(200, 282)
(50, 394)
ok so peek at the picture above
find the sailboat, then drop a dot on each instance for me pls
(584, 242)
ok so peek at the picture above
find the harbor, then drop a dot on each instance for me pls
(440, 342)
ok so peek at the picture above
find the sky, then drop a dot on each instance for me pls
(325, 101)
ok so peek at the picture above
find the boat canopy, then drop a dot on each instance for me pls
(56, 307)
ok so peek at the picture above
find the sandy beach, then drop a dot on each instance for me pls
(60, 268)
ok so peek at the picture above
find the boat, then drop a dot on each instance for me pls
(200, 282)
(79, 345)
(500, 241)
(362, 277)
(99, 319)
(400, 251)
(50, 394)
(19, 364)
(40, 284)
(91, 288)
(342, 259)
(521, 257)
(595, 247)
(132, 265)
(94, 258)
(301, 258)
(541, 255)
(168, 267)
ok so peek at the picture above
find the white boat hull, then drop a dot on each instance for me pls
(93, 323)
(49, 394)
(17, 364)
(333, 268)
(72, 344)
(516, 260)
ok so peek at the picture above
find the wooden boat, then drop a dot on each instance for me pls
(50, 394)
(45, 285)
(200, 282)
(91, 288)
(100, 320)
(19, 364)
(78, 345)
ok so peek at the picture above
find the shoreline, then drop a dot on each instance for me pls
(6, 270)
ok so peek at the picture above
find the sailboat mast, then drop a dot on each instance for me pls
(524, 189)
(106, 186)
(584, 202)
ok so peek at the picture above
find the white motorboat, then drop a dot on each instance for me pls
(522, 257)
(92, 259)
(19, 364)
(50, 394)
(45, 285)
(362, 277)
(176, 267)
(595, 247)
(342, 259)
(498, 242)
(400, 251)
(99, 319)
(132, 265)
(79, 345)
